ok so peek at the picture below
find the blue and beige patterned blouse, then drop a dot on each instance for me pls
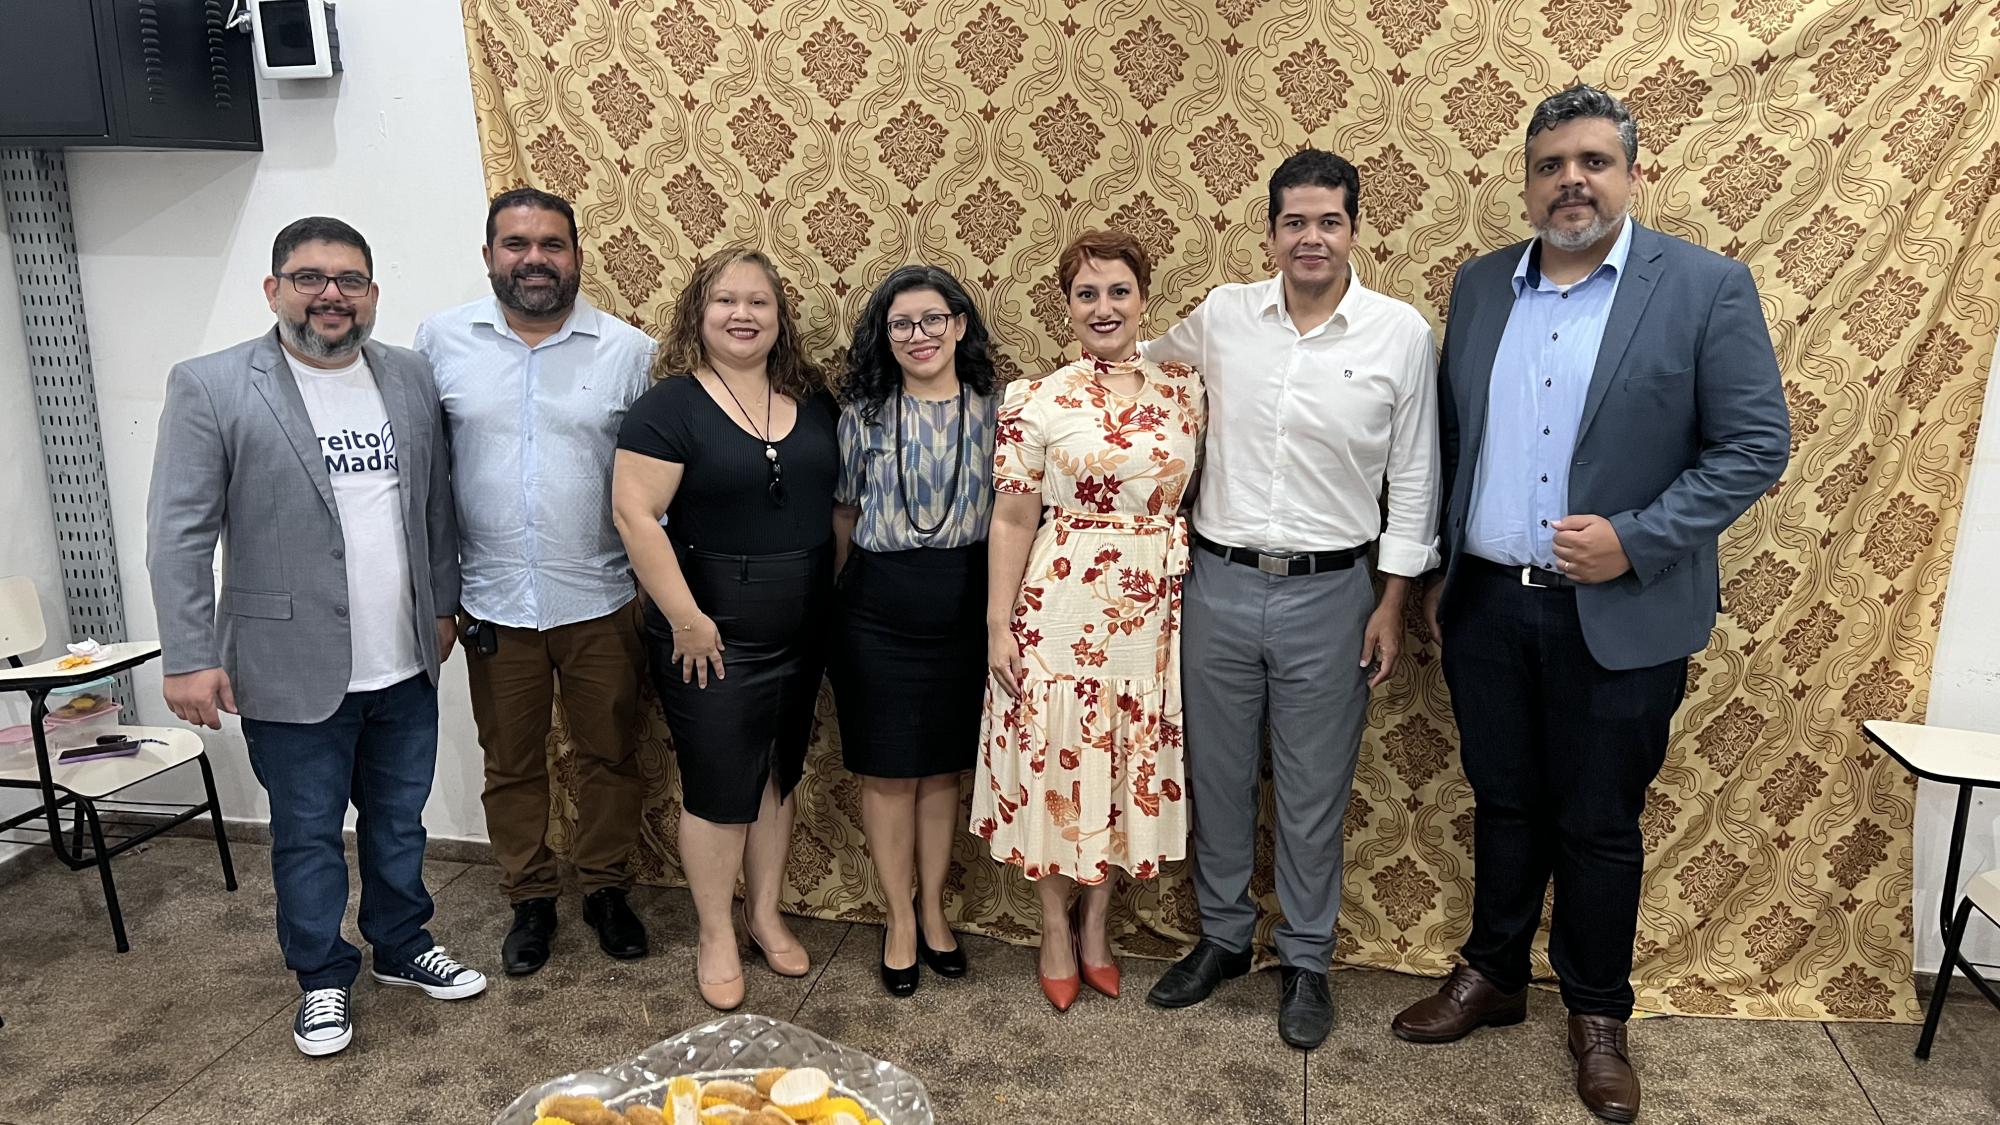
(869, 481)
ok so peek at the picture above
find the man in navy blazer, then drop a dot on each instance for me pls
(1608, 403)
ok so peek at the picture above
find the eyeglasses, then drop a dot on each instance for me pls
(312, 283)
(933, 324)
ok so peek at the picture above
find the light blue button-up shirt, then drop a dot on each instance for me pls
(1534, 404)
(532, 432)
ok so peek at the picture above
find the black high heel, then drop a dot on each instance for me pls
(946, 963)
(899, 982)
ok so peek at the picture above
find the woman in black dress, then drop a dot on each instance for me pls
(735, 445)
(915, 496)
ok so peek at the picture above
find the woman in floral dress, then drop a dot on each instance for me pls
(1080, 762)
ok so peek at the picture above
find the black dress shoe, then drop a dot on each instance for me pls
(899, 982)
(527, 946)
(1195, 976)
(945, 963)
(1305, 1007)
(619, 931)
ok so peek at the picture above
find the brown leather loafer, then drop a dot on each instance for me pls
(1467, 1002)
(1604, 1076)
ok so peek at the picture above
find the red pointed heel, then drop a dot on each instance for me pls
(1061, 991)
(1103, 978)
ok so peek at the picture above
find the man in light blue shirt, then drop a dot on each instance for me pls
(1608, 404)
(535, 383)
(1522, 483)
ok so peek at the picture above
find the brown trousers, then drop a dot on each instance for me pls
(599, 664)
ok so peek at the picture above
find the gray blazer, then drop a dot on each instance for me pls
(1684, 426)
(238, 460)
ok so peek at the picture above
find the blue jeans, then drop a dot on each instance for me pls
(378, 749)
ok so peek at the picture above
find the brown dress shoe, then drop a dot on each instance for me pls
(1467, 1001)
(1604, 1076)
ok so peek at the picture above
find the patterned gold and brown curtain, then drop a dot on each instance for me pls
(1846, 150)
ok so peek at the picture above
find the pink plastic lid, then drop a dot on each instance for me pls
(20, 735)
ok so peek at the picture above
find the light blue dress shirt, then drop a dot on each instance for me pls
(533, 432)
(1534, 404)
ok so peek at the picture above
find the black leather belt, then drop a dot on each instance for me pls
(1526, 575)
(1286, 566)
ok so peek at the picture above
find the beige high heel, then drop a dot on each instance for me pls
(722, 995)
(796, 963)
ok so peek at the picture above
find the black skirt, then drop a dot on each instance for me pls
(909, 668)
(755, 722)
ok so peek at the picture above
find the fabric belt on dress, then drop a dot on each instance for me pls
(1174, 527)
(1533, 576)
(1286, 566)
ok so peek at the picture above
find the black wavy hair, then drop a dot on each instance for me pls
(872, 371)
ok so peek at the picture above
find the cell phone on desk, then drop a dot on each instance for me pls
(123, 748)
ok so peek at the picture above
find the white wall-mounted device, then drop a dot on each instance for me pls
(294, 38)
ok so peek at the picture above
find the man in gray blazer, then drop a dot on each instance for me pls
(1608, 404)
(316, 456)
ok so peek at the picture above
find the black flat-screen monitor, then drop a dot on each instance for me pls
(287, 26)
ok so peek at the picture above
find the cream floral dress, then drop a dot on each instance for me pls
(1084, 772)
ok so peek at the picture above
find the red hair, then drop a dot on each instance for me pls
(1105, 246)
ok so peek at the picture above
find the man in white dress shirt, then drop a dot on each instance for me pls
(535, 383)
(1321, 398)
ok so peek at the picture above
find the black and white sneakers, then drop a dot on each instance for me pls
(323, 1025)
(436, 973)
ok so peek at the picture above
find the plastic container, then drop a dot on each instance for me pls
(737, 1047)
(65, 726)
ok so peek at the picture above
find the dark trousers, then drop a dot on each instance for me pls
(378, 750)
(1559, 751)
(598, 664)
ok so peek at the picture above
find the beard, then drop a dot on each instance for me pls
(538, 302)
(301, 337)
(1573, 239)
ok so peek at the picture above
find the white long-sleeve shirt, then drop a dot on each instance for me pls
(1306, 432)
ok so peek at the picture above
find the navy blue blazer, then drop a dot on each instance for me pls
(1683, 427)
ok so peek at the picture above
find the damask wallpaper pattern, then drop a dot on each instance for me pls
(1846, 150)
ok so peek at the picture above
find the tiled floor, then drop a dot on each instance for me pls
(192, 1026)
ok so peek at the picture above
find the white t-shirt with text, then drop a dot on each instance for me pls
(359, 446)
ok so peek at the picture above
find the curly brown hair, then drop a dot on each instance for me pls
(791, 371)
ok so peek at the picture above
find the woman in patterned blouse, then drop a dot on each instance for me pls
(1080, 762)
(913, 502)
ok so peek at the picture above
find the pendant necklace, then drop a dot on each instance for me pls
(770, 449)
(957, 470)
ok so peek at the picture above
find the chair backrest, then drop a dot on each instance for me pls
(21, 626)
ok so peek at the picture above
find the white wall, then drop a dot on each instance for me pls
(1965, 693)
(175, 247)
(28, 545)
